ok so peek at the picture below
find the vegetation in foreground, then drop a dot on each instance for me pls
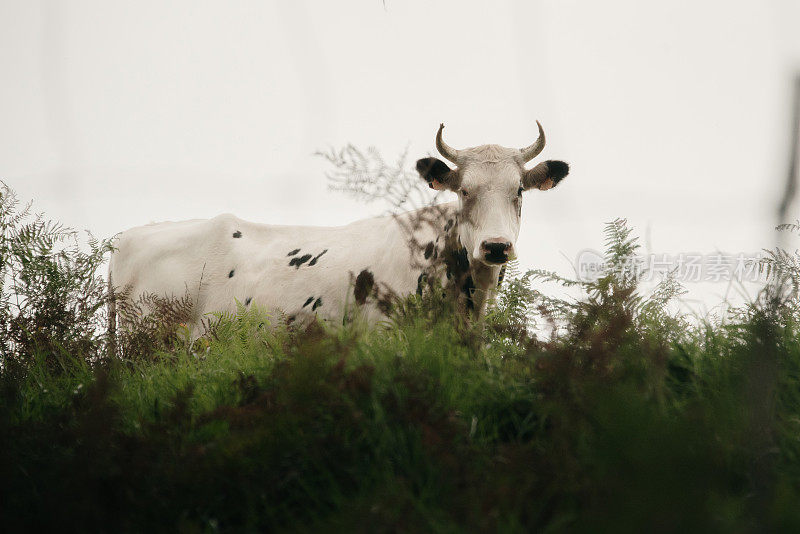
(626, 418)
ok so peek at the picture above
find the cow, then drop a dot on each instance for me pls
(306, 272)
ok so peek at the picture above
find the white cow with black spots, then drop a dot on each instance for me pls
(305, 271)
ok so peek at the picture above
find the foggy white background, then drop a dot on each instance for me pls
(673, 114)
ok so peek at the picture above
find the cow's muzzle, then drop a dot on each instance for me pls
(495, 251)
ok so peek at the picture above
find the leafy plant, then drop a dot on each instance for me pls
(51, 294)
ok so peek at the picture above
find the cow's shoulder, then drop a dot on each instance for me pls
(174, 239)
(225, 220)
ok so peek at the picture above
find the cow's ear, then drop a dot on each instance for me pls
(545, 175)
(438, 175)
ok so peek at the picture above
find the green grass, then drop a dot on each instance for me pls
(628, 419)
(419, 427)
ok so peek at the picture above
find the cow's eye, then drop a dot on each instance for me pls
(464, 193)
(519, 191)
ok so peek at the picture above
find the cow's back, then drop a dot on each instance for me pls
(169, 259)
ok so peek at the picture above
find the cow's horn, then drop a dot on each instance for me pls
(532, 151)
(444, 149)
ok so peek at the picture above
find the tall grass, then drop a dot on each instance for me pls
(626, 418)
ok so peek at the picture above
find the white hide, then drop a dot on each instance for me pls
(196, 258)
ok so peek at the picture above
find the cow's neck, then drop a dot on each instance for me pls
(477, 281)
(486, 278)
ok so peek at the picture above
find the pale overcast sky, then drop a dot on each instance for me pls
(672, 114)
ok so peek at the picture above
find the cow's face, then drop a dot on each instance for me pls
(489, 181)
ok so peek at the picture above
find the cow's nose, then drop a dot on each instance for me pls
(495, 251)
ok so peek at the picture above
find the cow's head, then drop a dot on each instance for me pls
(489, 181)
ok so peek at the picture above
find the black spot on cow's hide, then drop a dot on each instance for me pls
(314, 261)
(429, 250)
(237, 234)
(230, 274)
(364, 282)
(295, 251)
(247, 302)
(421, 282)
(463, 260)
(297, 262)
(308, 301)
(385, 305)
(457, 263)
(317, 303)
